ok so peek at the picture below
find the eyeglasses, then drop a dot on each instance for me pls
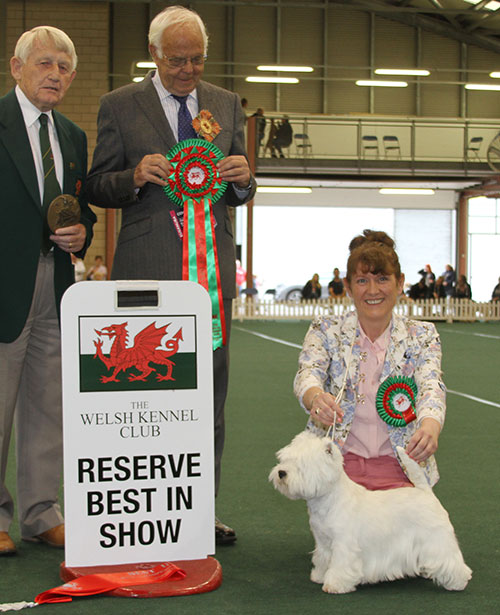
(181, 62)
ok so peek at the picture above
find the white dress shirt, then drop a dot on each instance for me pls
(31, 115)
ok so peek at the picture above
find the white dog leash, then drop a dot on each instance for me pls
(338, 397)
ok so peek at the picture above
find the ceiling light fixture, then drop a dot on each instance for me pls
(417, 72)
(288, 69)
(272, 79)
(495, 75)
(284, 189)
(145, 64)
(481, 86)
(382, 84)
(417, 191)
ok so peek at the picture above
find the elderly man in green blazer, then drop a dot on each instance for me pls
(36, 271)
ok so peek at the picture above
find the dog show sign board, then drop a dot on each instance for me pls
(138, 422)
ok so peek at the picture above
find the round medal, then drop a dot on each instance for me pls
(395, 401)
(63, 211)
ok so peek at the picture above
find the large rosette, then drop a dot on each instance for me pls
(395, 400)
(195, 184)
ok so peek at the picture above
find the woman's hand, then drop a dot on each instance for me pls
(424, 441)
(322, 406)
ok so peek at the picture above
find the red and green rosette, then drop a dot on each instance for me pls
(194, 184)
(395, 400)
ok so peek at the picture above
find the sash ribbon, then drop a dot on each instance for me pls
(102, 583)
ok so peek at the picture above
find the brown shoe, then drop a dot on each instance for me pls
(53, 537)
(7, 547)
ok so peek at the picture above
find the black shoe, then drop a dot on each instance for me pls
(224, 535)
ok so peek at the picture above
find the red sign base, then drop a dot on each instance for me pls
(202, 575)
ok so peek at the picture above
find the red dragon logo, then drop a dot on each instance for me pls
(144, 351)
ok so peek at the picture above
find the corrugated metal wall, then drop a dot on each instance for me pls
(342, 45)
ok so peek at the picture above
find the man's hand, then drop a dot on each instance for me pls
(70, 238)
(235, 169)
(154, 168)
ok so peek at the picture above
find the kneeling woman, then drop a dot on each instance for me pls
(376, 373)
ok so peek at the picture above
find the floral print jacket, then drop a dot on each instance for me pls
(414, 351)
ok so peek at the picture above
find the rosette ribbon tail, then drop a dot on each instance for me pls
(200, 262)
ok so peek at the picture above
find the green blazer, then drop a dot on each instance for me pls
(21, 214)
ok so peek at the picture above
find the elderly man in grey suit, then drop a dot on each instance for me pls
(137, 125)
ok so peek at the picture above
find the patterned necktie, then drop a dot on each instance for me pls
(185, 129)
(51, 188)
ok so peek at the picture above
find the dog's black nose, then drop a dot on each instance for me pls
(281, 473)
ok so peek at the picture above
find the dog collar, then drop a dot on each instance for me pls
(395, 400)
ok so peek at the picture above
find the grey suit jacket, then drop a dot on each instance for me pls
(132, 124)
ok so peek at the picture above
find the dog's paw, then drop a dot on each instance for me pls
(338, 588)
(317, 576)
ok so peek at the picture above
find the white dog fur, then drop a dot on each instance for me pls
(367, 536)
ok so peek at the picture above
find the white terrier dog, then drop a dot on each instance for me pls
(367, 536)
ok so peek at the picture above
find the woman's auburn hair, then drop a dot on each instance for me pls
(374, 251)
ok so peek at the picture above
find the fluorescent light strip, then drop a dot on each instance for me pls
(272, 79)
(402, 71)
(284, 189)
(417, 191)
(382, 84)
(481, 86)
(145, 64)
(495, 75)
(288, 69)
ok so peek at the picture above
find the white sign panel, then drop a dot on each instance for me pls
(138, 423)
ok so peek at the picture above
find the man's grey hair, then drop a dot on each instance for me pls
(175, 16)
(45, 36)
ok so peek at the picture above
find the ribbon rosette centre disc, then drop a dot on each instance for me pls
(194, 172)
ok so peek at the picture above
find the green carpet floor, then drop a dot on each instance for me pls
(267, 571)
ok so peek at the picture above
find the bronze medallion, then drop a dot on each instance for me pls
(63, 211)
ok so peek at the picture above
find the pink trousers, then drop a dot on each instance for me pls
(377, 473)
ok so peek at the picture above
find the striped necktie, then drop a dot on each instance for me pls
(185, 129)
(51, 188)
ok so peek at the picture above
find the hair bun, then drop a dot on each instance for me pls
(372, 237)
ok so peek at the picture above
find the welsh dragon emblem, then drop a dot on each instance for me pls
(143, 355)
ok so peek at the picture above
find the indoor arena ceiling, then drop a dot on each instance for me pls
(475, 22)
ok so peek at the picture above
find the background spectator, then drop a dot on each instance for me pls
(283, 137)
(336, 286)
(312, 289)
(98, 271)
(260, 127)
(495, 295)
(449, 281)
(463, 289)
(439, 288)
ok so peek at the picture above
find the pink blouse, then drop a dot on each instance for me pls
(368, 436)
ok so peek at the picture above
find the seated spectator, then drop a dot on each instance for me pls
(495, 295)
(439, 288)
(312, 289)
(418, 290)
(283, 138)
(336, 286)
(463, 289)
(98, 271)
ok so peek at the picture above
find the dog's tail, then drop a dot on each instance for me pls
(413, 470)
